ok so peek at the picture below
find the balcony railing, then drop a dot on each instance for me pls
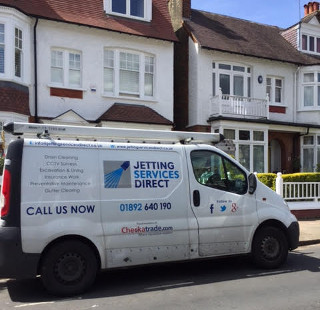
(241, 107)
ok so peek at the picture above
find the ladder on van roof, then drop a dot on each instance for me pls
(112, 134)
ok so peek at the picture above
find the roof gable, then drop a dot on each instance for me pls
(91, 13)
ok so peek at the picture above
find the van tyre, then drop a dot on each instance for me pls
(269, 248)
(69, 268)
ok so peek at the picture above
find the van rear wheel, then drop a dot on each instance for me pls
(269, 248)
(69, 268)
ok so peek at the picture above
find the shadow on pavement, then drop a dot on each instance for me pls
(165, 276)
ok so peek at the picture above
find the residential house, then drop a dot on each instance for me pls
(257, 84)
(96, 63)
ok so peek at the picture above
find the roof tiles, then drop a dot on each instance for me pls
(228, 34)
(132, 113)
(91, 13)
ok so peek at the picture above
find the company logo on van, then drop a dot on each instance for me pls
(117, 174)
(146, 174)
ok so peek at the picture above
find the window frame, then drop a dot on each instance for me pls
(249, 139)
(273, 89)
(314, 147)
(18, 51)
(145, 68)
(314, 87)
(307, 41)
(233, 71)
(147, 10)
(66, 68)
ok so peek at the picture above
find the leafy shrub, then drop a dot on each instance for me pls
(268, 179)
(302, 177)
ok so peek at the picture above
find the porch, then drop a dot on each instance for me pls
(239, 107)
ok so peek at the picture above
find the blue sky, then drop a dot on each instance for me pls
(281, 13)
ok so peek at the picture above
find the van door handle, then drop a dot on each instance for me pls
(196, 198)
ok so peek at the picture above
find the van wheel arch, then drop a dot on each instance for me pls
(270, 244)
(72, 251)
(71, 238)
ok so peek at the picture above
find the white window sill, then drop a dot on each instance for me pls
(66, 87)
(310, 109)
(143, 19)
(153, 100)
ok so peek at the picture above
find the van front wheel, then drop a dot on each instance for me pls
(69, 268)
(269, 248)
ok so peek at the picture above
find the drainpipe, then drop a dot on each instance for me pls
(35, 71)
(296, 85)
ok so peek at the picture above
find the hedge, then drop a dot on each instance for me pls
(269, 179)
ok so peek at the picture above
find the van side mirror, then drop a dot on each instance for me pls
(252, 183)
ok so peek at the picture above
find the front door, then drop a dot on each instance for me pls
(225, 211)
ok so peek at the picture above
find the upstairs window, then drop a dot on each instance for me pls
(18, 53)
(1, 48)
(128, 74)
(138, 9)
(232, 79)
(311, 90)
(66, 68)
(274, 89)
(310, 44)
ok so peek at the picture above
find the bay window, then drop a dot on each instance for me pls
(14, 46)
(250, 146)
(66, 68)
(128, 74)
(310, 153)
(233, 80)
(311, 90)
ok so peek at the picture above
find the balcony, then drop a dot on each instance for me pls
(239, 107)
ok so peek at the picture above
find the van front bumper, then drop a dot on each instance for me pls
(293, 235)
(13, 262)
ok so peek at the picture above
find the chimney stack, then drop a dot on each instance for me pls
(310, 8)
(186, 9)
(179, 10)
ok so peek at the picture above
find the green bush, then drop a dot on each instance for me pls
(268, 179)
(302, 177)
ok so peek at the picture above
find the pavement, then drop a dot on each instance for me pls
(309, 232)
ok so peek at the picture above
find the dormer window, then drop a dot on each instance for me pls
(137, 9)
(310, 44)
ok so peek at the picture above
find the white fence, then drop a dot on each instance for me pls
(299, 195)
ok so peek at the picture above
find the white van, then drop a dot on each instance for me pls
(72, 208)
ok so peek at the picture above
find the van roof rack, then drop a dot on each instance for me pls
(127, 135)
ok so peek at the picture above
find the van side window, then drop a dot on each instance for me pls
(213, 170)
